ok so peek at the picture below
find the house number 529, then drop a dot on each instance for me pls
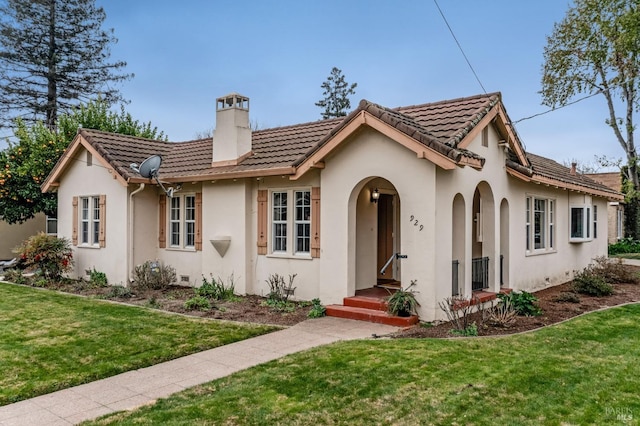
(415, 222)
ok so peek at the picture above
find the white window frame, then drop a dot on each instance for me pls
(290, 223)
(546, 239)
(585, 234)
(181, 218)
(619, 221)
(50, 220)
(90, 221)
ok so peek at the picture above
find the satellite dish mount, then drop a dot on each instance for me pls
(149, 170)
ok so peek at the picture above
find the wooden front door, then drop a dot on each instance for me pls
(385, 236)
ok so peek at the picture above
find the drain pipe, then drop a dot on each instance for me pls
(131, 220)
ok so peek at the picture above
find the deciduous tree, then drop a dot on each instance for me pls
(26, 164)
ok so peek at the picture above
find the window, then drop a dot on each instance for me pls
(540, 224)
(299, 219)
(485, 136)
(90, 220)
(182, 221)
(580, 217)
(595, 222)
(52, 225)
(619, 222)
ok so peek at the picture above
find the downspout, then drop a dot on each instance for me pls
(130, 245)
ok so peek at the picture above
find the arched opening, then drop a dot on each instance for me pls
(377, 235)
(504, 243)
(483, 239)
(458, 243)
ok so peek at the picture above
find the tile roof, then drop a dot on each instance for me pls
(546, 168)
(439, 125)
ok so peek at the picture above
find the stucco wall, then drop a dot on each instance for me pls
(11, 236)
(81, 180)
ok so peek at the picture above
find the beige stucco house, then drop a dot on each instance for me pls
(441, 193)
(12, 235)
(616, 208)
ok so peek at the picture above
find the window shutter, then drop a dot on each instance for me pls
(198, 220)
(263, 195)
(315, 222)
(74, 218)
(162, 221)
(103, 220)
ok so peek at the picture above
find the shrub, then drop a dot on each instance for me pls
(626, 245)
(15, 276)
(50, 254)
(567, 297)
(118, 291)
(216, 289)
(317, 310)
(278, 289)
(198, 303)
(284, 306)
(403, 302)
(458, 310)
(468, 331)
(613, 271)
(503, 314)
(524, 303)
(588, 282)
(153, 275)
(98, 278)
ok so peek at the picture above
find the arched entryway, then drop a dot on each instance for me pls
(377, 213)
(504, 243)
(483, 239)
(458, 234)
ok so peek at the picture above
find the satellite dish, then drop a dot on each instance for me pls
(149, 169)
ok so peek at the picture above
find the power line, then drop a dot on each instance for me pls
(560, 107)
(459, 46)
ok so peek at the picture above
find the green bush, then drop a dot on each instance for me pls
(468, 331)
(216, 289)
(588, 282)
(197, 303)
(524, 303)
(403, 302)
(98, 278)
(317, 310)
(51, 255)
(626, 245)
(153, 275)
(15, 276)
(613, 271)
(118, 291)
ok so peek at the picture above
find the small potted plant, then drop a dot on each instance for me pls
(403, 302)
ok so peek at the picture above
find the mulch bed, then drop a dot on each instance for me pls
(552, 312)
(245, 308)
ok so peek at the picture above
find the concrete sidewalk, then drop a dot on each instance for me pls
(135, 388)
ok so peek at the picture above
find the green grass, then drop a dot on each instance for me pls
(50, 341)
(584, 371)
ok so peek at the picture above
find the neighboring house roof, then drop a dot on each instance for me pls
(439, 132)
(613, 179)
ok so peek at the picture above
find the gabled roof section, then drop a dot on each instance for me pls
(549, 172)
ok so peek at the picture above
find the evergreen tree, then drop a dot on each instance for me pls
(25, 165)
(336, 95)
(54, 54)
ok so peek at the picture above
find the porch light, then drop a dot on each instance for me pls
(375, 195)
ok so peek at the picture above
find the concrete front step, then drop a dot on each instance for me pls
(370, 315)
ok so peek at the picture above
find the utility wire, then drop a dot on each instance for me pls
(459, 46)
(560, 107)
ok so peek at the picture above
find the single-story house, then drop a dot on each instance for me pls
(443, 194)
(616, 208)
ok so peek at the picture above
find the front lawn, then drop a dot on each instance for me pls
(584, 371)
(51, 341)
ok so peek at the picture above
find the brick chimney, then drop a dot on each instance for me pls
(573, 169)
(232, 136)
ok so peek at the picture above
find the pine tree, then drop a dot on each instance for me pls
(54, 54)
(336, 95)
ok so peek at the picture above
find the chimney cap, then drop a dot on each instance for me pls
(232, 100)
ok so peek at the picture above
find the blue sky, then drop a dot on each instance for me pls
(186, 54)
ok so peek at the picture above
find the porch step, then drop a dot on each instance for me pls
(365, 302)
(371, 315)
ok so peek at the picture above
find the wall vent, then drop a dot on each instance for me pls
(184, 278)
